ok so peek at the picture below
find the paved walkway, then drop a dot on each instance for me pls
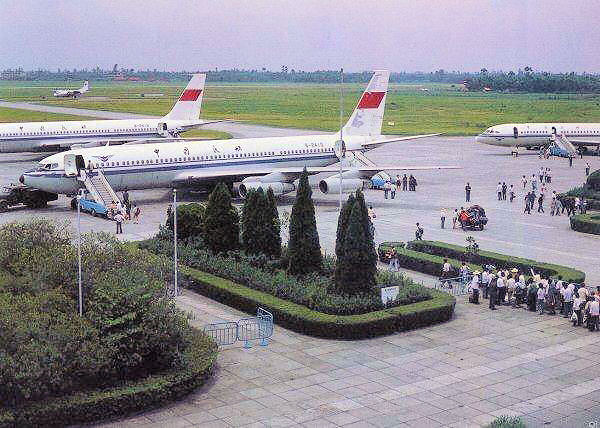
(480, 365)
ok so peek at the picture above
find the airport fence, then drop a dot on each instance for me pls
(244, 330)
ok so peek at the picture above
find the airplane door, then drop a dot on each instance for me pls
(163, 129)
(515, 132)
(553, 130)
(71, 166)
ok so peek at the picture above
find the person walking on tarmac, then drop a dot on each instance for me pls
(404, 183)
(119, 219)
(468, 192)
(541, 203)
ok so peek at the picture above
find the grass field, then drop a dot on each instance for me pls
(18, 115)
(410, 109)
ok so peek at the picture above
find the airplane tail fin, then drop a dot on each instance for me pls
(85, 87)
(367, 117)
(188, 105)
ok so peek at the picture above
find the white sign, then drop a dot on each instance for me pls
(389, 294)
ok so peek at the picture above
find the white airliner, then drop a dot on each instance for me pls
(72, 93)
(257, 162)
(55, 136)
(537, 135)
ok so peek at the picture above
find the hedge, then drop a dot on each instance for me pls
(306, 321)
(428, 257)
(587, 223)
(127, 398)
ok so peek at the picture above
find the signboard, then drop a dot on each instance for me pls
(389, 294)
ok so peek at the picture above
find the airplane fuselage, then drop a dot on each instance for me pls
(538, 134)
(167, 164)
(44, 136)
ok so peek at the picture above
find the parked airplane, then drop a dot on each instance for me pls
(567, 136)
(55, 136)
(72, 93)
(257, 162)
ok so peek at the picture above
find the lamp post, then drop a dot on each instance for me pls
(341, 149)
(176, 289)
(79, 253)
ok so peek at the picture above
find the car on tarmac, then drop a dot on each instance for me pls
(88, 205)
(12, 195)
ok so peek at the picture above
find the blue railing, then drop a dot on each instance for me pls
(244, 330)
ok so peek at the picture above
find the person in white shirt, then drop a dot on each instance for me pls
(501, 284)
(594, 306)
(568, 299)
(541, 297)
(485, 280)
(442, 216)
(387, 187)
(511, 284)
(475, 288)
(577, 310)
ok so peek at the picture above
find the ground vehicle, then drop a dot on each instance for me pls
(90, 206)
(472, 218)
(376, 182)
(16, 194)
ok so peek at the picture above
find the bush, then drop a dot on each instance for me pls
(506, 422)
(127, 397)
(593, 181)
(190, 218)
(260, 224)
(221, 222)
(428, 256)
(301, 319)
(129, 329)
(304, 250)
(586, 223)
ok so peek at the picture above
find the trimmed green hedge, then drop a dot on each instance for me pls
(128, 398)
(306, 321)
(586, 223)
(428, 257)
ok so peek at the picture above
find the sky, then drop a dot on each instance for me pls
(424, 35)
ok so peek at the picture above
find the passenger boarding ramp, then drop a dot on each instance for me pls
(359, 159)
(562, 142)
(99, 188)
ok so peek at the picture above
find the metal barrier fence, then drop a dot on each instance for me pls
(245, 330)
(457, 286)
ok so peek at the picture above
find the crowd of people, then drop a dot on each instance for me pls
(124, 211)
(545, 295)
(404, 183)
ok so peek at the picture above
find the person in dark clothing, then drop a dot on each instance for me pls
(404, 182)
(468, 192)
(493, 292)
(527, 209)
(504, 189)
(531, 295)
(419, 233)
(511, 193)
(412, 183)
(571, 161)
(541, 203)
(125, 197)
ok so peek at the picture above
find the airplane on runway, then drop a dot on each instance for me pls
(72, 93)
(274, 162)
(571, 137)
(56, 136)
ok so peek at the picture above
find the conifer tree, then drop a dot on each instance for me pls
(250, 223)
(304, 249)
(221, 221)
(273, 230)
(358, 262)
(342, 227)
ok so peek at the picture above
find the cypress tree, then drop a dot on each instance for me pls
(342, 227)
(358, 263)
(304, 249)
(366, 221)
(273, 230)
(221, 221)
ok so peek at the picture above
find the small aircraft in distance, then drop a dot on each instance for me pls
(72, 93)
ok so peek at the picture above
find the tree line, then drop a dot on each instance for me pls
(525, 80)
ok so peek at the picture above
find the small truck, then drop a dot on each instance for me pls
(12, 195)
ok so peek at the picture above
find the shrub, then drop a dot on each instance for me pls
(586, 223)
(273, 230)
(260, 224)
(506, 422)
(221, 222)
(190, 218)
(304, 251)
(593, 181)
(357, 265)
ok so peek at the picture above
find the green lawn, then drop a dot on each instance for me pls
(410, 110)
(18, 115)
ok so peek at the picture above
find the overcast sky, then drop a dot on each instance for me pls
(302, 34)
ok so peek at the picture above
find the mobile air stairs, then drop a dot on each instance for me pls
(98, 187)
(359, 159)
(563, 144)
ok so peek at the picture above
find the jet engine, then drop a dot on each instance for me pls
(332, 185)
(279, 188)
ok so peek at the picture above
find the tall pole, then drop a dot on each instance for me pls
(176, 289)
(79, 253)
(341, 130)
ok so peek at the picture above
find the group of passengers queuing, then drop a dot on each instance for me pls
(544, 295)
(405, 183)
(127, 210)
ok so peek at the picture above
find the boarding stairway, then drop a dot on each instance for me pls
(563, 143)
(361, 159)
(98, 186)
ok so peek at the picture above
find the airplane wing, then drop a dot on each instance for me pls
(584, 142)
(376, 143)
(205, 175)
